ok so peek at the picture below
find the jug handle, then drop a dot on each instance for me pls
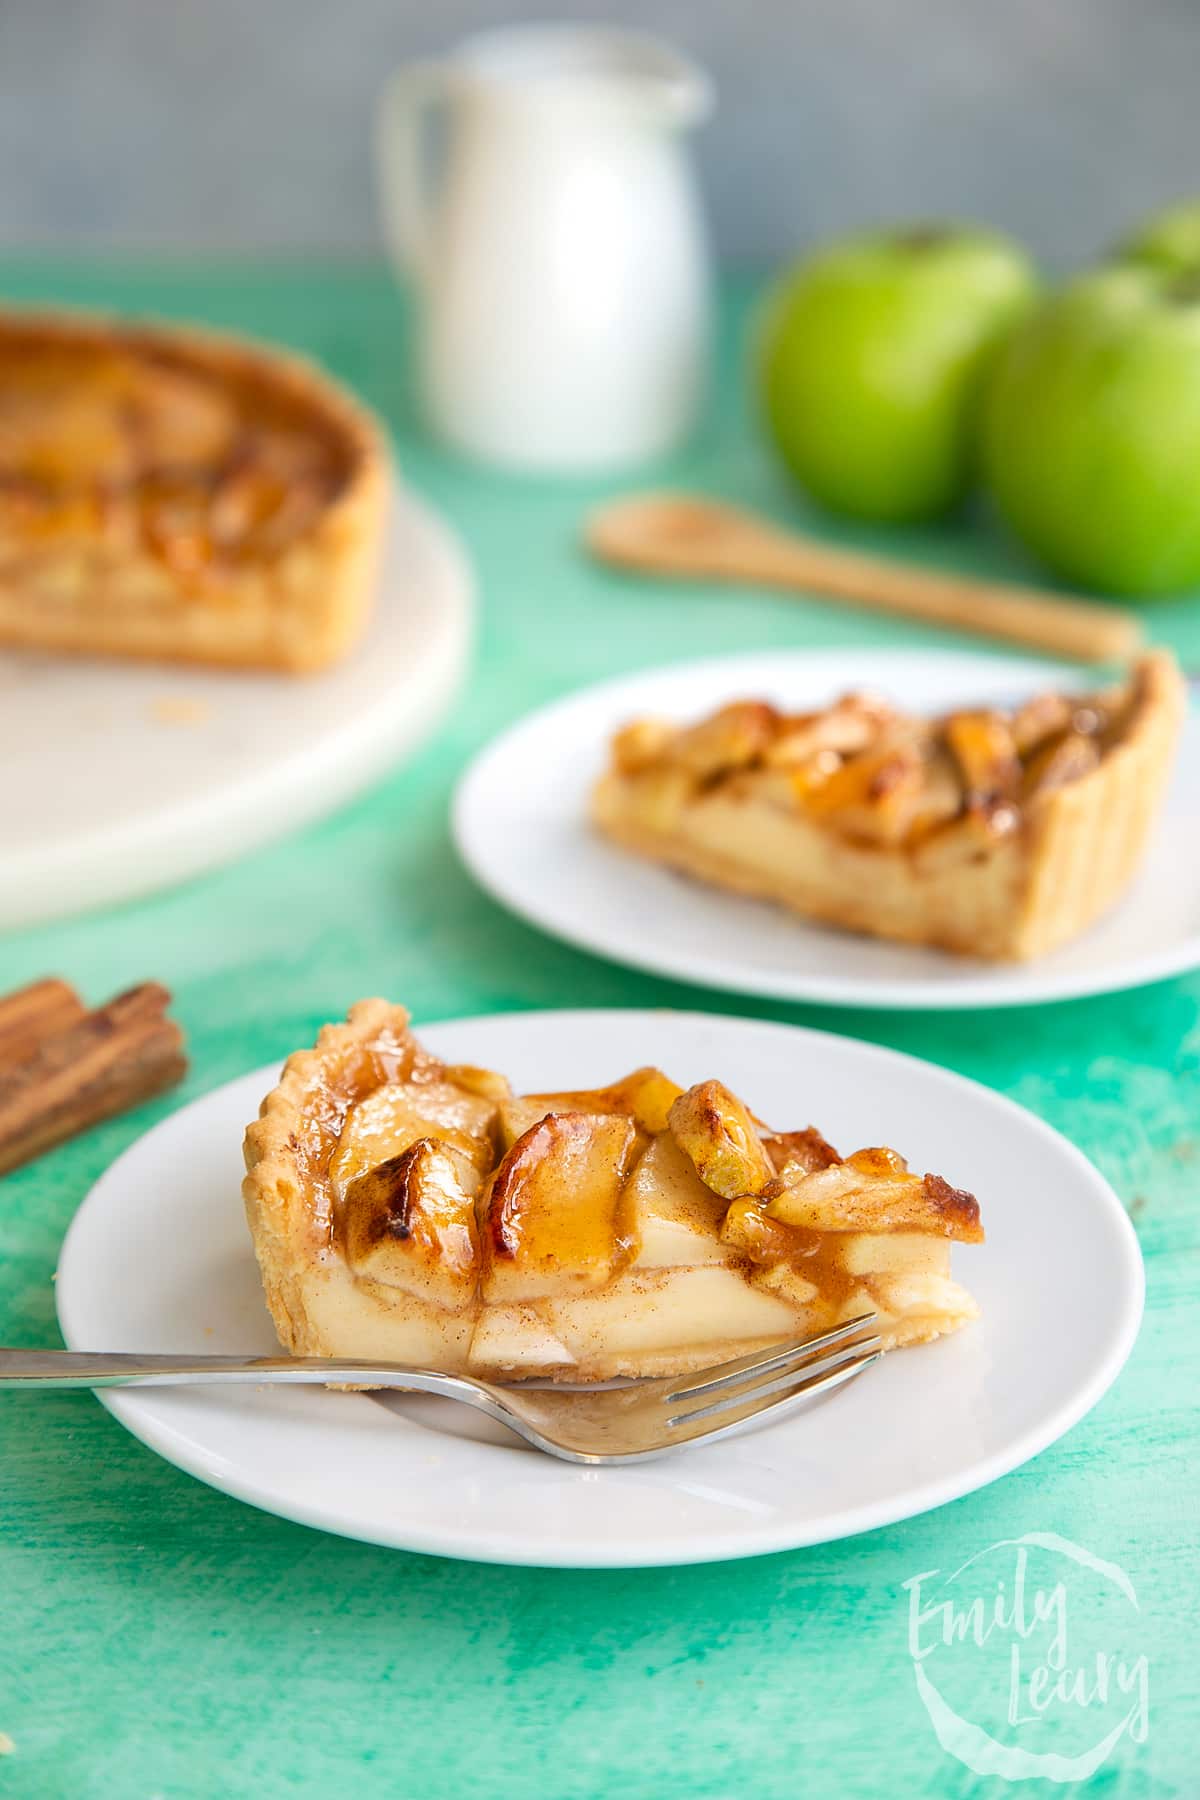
(403, 179)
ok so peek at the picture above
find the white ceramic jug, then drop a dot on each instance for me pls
(559, 255)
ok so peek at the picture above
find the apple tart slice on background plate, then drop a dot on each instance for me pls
(992, 832)
(733, 822)
(158, 1258)
(415, 1211)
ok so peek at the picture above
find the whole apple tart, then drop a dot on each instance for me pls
(171, 493)
(409, 1210)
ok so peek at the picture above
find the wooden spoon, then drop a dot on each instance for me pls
(687, 534)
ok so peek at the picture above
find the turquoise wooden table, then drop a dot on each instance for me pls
(157, 1638)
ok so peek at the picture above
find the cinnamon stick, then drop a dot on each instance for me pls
(105, 1062)
(33, 1014)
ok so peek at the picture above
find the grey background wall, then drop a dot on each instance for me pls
(245, 123)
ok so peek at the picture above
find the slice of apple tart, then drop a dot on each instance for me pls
(415, 1211)
(997, 834)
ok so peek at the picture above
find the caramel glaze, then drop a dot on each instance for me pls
(816, 1256)
(813, 1254)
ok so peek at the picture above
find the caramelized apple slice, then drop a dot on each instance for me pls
(1064, 759)
(483, 1082)
(875, 796)
(986, 752)
(718, 1134)
(518, 1115)
(550, 1219)
(870, 1193)
(667, 1211)
(410, 1223)
(940, 798)
(640, 743)
(67, 438)
(794, 1153)
(177, 420)
(844, 728)
(646, 1096)
(1044, 716)
(400, 1113)
(736, 735)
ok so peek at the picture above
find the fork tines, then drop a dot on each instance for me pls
(749, 1384)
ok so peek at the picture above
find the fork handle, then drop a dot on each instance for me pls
(102, 1369)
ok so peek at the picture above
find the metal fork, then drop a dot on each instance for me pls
(615, 1424)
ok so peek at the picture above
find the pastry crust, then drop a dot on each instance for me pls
(172, 493)
(989, 876)
(409, 1211)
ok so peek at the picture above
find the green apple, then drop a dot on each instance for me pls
(1091, 431)
(870, 359)
(1170, 240)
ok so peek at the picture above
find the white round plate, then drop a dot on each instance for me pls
(122, 777)
(520, 821)
(158, 1258)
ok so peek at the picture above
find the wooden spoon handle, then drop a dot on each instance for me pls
(691, 536)
(1075, 628)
